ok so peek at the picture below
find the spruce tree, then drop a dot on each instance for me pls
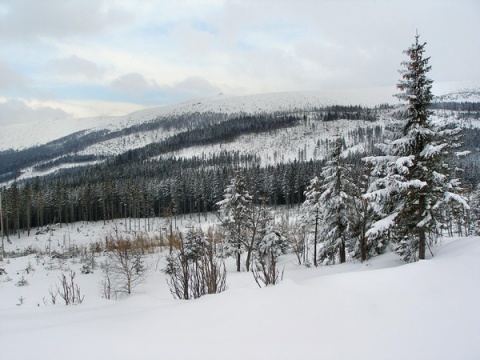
(235, 211)
(337, 207)
(415, 187)
(311, 209)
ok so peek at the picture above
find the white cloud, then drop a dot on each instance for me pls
(11, 78)
(75, 66)
(195, 85)
(162, 50)
(134, 84)
(32, 19)
(17, 111)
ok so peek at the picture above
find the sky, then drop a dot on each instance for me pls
(83, 58)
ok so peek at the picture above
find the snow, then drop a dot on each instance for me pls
(303, 142)
(21, 136)
(381, 309)
(24, 135)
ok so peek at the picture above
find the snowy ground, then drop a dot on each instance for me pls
(382, 309)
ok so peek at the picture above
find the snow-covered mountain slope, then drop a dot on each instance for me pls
(103, 137)
(21, 136)
(468, 91)
(307, 141)
(26, 135)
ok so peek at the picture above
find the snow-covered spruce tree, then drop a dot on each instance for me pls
(269, 248)
(475, 211)
(234, 213)
(311, 210)
(415, 186)
(337, 207)
(244, 218)
(365, 247)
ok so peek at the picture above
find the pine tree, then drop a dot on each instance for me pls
(415, 187)
(234, 215)
(311, 209)
(337, 207)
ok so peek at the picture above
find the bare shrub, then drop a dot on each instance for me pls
(146, 244)
(106, 283)
(127, 267)
(53, 296)
(69, 291)
(194, 269)
(297, 236)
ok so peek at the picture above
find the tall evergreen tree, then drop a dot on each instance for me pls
(337, 207)
(235, 211)
(311, 209)
(415, 185)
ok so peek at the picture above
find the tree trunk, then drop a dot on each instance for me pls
(315, 242)
(421, 231)
(343, 256)
(238, 259)
(421, 244)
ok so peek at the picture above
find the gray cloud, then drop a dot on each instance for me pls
(76, 66)
(11, 79)
(195, 85)
(163, 52)
(57, 19)
(133, 84)
(136, 85)
(17, 111)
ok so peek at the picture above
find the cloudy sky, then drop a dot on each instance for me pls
(61, 58)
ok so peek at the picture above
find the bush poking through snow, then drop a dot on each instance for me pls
(126, 267)
(69, 291)
(22, 281)
(195, 270)
(106, 283)
(265, 271)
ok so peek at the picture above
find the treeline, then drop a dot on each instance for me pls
(191, 130)
(138, 184)
(225, 131)
(166, 186)
(455, 106)
(11, 162)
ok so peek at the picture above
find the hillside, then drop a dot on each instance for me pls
(26, 135)
(68, 143)
(22, 136)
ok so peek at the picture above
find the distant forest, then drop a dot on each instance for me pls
(142, 183)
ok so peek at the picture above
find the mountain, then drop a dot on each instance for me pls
(26, 152)
(22, 136)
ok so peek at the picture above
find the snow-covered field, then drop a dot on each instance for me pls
(382, 309)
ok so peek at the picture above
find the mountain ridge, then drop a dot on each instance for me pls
(101, 138)
(25, 135)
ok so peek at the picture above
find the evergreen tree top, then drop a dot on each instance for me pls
(415, 85)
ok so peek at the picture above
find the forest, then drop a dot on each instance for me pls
(140, 183)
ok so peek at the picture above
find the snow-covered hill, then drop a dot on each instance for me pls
(381, 309)
(26, 135)
(21, 136)
(304, 141)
